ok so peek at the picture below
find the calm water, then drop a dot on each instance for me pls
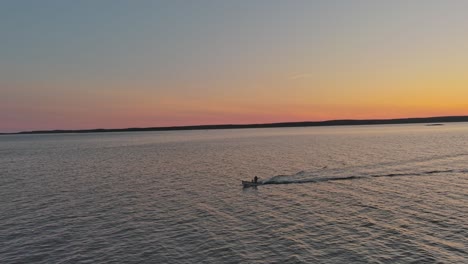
(369, 194)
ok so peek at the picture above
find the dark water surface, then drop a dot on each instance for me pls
(367, 194)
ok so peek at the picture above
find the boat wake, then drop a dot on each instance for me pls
(304, 177)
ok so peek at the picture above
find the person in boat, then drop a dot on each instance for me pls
(255, 179)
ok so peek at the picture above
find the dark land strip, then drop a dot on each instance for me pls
(343, 122)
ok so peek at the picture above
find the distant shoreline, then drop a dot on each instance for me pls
(343, 122)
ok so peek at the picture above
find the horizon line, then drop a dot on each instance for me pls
(332, 122)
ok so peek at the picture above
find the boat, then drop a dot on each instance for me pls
(246, 184)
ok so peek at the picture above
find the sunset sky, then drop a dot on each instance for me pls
(70, 64)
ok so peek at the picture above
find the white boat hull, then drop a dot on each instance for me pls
(250, 184)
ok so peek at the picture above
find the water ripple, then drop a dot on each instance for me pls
(394, 194)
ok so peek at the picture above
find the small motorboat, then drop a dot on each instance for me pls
(246, 184)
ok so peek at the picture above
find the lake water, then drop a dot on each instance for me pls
(358, 194)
